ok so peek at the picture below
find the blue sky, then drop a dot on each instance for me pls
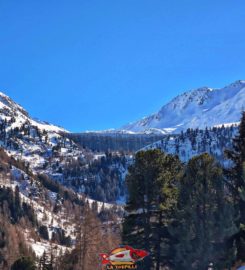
(92, 64)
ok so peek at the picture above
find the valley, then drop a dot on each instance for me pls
(70, 190)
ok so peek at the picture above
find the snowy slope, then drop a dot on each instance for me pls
(29, 139)
(11, 110)
(195, 142)
(200, 108)
(46, 149)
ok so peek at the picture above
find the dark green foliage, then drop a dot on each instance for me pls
(16, 209)
(113, 142)
(2, 238)
(43, 231)
(183, 215)
(49, 183)
(211, 140)
(29, 213)
(204, 217)
(2, 244)
(24, 263)
(59, 237)
(236, 180)
(152, 186)
(62, 191)
(102, 180)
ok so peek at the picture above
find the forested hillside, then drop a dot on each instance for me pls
(48, 150)
(43, 224)
(55, 188)
(193, 142)
(188, 215)
(104, 142)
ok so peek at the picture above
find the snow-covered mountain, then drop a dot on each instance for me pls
(52, 175)
(47, 149)
(200, 108)
(10, 110)
(29, 139)
(44, 214)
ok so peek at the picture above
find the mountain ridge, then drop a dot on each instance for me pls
(10, 108)
(202, 107)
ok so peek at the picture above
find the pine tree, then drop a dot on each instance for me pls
(204, 217)
(236, 180)
(43, 231)
(24, 263)
(152, 197)
(166, 203)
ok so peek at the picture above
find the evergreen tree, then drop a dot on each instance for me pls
(204, 220)
(166, 203)
(43, 231)
(152, 187)
(24, 263)
(236, 180)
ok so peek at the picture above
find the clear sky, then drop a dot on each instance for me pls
(98, 64)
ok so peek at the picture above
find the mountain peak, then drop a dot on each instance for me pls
(196, 95)
(7, 103)
(238, 83)
(198, 108)
(9, 109)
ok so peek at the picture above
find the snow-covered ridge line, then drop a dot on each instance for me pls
(12, 109)
(199, 108)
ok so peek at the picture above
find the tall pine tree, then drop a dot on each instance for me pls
(204, 217)
(152, 196)
(236, 180)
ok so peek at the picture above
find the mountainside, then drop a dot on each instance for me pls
(38, 214)
(54, 185)
(194, 142)
(47, 149)
(30, 140)
(103, 142)
(17, 116)
(200, 108)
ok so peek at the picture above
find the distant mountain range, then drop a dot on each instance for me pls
(53, 169)
(199, 108)
(82, 161)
